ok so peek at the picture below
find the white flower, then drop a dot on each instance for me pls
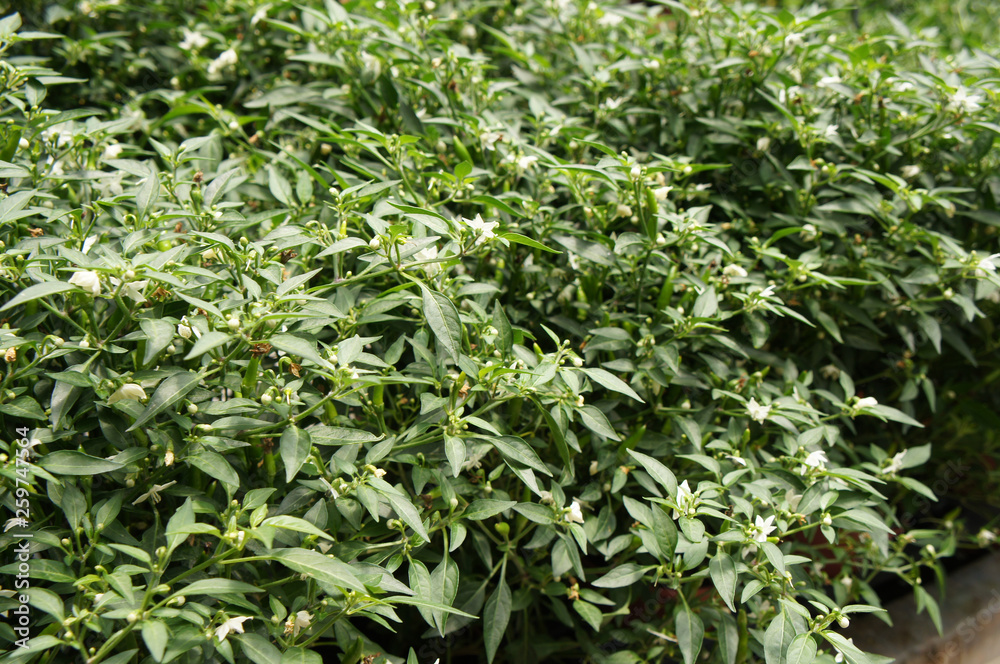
(231, 625)
(192, 41)
(153, 495)
(784, 96)
(184, 329)
(766, 292)
(613, 103)
(127, 392)
(623, 210)
(372, 65)
(15, 522)
(984, 267)
(830, 131)
(226, 59)
(23, 143)
(88, 281)
(132, 289)
(575, 513)
(895, 464)
(112, 151)
(490, 138)
(757, 411)
(830, 372)
(379, 473)
(734, 271)
(763, 143)
(910, 171)
(660, 193)
(298, 622)
(484, 229)
(827, 81)
(963, 102)
(986, 537)
(60, 134)
(762, 528)
(685, 500)
(468, 32)
(816, 459)
(808, 232)
(428, 253)
(610, 20)
(258, 16)
(526, 162)
(794, 40)
(866, 402)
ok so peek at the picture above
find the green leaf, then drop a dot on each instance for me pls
(517, 238)
(279, 186)
(182, 519)
(71, 462)
(597, 422)
(728, 638)
(159, 333)
(46, 289)
(621, 576)
(324, 435)
(207, 342)
(690, 633)
(663, 476)
(313, 563)
(802, 650)
(893, 414)
(295, 446)
(924, 600)
(297, 655)
(442, 317)
(723, 571)
(505, 336)
(23, 407)
(146, 197)
(774, 556)
(484, 508)
(778, 636)
(853, 654)
(300, 347)
(215, 465)
(406, 511)
(516, 449)
(295, 523)
(216, 587)
(155, 635)
(612, 382)
(496, 615)
(258, 649)
(590, 614)
(454, 450)
(47, 601)
(171, 390)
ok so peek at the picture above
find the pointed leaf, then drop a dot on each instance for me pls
(690, 634)
(171, 390)
(442, 317)
(723, 571)
(295, 446)
(658, 471)
(496, 615)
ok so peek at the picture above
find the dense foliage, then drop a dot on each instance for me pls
(538, 332)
